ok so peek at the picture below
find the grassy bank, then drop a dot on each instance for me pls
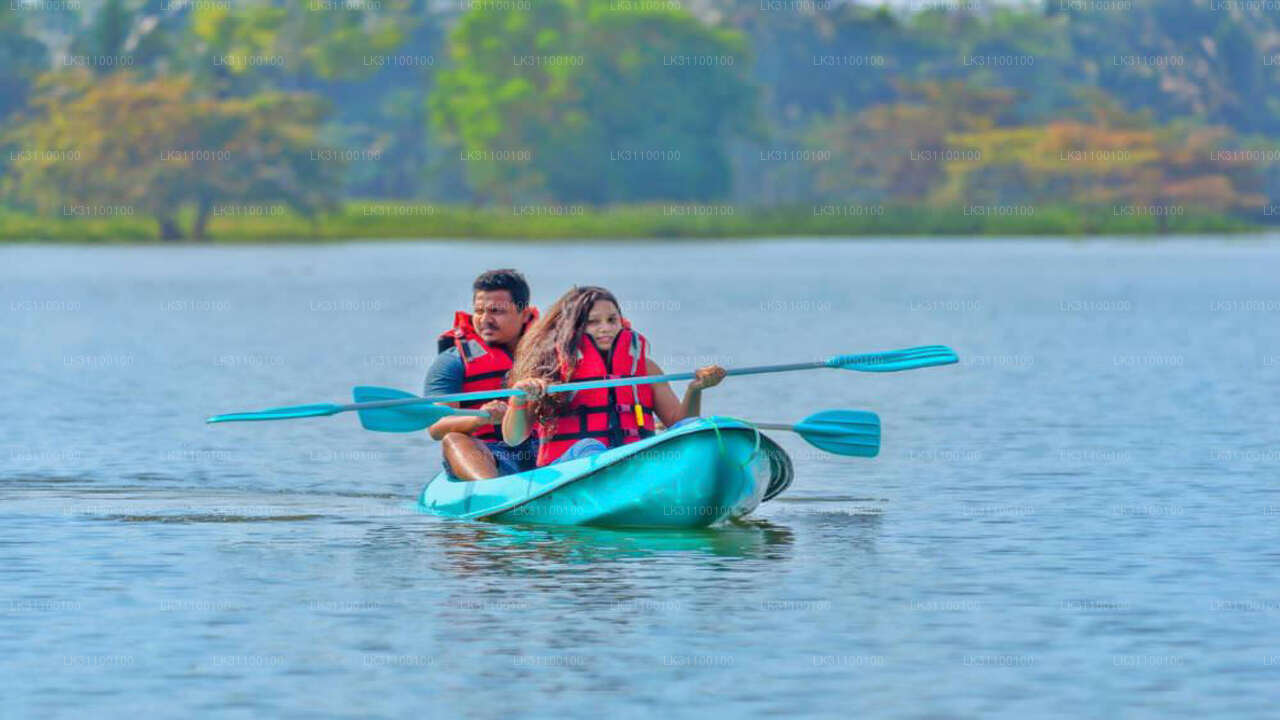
(409, 220)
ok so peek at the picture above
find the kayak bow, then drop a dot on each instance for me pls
(701, 473)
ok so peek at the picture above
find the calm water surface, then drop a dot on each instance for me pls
(1078, 521)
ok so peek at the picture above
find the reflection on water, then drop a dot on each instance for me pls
(473, 546)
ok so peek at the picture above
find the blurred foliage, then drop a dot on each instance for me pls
(22, 58)
(945, 147)
(414, 220)
(559, 100)
(154, 146)
(897, 151)
(291, 44)
(610, 102)
(1175, 166)
(1206, 59)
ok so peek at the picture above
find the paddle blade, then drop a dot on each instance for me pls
(400, 419)
(895, 360)
(843, 432)
(281, 413)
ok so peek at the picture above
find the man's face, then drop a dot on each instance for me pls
(495, 317)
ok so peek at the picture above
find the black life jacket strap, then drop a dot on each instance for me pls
(643, 432)
(588, 409)
(579, 435)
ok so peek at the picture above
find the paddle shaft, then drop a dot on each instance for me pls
(891, 361)
(573, 387)
(803, 428)
(792, 427)
(467, 413)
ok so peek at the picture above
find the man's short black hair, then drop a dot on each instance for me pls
(505, 279)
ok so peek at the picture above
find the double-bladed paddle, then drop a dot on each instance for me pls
(842, 432)
(892, 361)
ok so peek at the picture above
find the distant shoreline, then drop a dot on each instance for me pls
(408, 220)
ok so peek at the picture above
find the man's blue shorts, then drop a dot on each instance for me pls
(510, 460)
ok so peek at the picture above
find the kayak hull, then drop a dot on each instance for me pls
(699, 474)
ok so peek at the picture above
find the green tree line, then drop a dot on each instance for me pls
(175, 109)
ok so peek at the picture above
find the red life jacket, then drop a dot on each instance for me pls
(615, 416)
(485, 367)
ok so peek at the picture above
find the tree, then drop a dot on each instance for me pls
(898, 151)
(497, 112)
(1153, 168)
(592, 101)
(1201, 58)
(108, 33)
(293, 46)
(838, 57)
(21, 58)
(156, 146)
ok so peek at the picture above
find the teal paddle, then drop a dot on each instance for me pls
(401, 418)
(892, 361)
(842, 432)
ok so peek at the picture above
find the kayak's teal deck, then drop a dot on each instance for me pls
(695, 475)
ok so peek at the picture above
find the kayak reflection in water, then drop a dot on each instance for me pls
(583, 337)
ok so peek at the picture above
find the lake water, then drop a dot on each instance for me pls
(1079, 520)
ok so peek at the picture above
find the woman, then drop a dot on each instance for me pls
(584, 337)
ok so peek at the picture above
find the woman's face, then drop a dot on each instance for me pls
(604, 322)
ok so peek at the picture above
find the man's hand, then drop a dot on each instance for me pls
(497, 410)
(706, 377)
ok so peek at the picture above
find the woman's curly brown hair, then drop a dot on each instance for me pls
(549, 348)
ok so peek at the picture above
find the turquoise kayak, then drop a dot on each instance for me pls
(704, 472)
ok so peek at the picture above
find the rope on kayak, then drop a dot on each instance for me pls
(719, 440)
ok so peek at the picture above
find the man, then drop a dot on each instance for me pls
(476, 354)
